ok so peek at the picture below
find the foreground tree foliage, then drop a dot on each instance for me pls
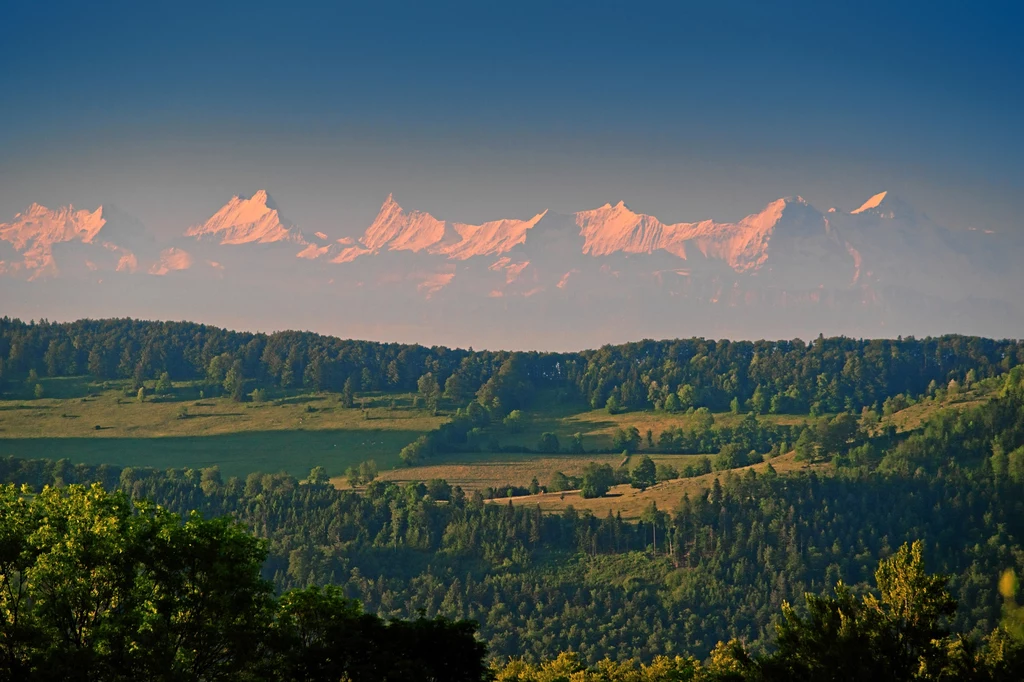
(95, 587)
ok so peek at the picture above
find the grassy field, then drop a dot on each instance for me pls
(96, 423)
(631, 502)
(914, 417)
(86, 422)
(476, 471)
(479, 470)
(598, 427)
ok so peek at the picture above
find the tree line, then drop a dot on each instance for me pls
(826, 375)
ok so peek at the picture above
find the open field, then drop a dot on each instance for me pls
(296, 432)
(631, 502)
(476, 471)
(479, 470)
(598, 427)
(292, 434)
(914, 417)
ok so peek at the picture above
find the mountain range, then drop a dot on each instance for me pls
(550, 280)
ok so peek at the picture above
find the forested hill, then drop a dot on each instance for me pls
(826, 375)
(718, 565)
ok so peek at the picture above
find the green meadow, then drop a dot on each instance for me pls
(99, 424)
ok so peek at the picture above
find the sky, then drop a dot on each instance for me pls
(480, 110)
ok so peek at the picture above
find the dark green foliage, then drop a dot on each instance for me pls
(826, 376)
(644, 474)
(968, 437)
(548, 443)
(626, 440)
(96, 588)
(597, 479)
(321, 635)
(726, 559)
(731, 456)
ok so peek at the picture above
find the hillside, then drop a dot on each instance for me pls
(777, 469)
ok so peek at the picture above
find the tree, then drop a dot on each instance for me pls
(478, 414)
(234, 382)
(734, 405)
(671, 403)
(644, 474)
(429, 390)
(759, 401)
(627, 440)
(597, 480)
(415, 452)
(652, 518)
(125, 591)
(729, 457)
(97, 363)
(258, 395)
(612, 405)
(457, 388)
(348, 392)
(514, 422)
(141, 395)
(666, 472)
(576, 447)
(163, 384)
(548, 443)
(704, 420)
(897, 636)
(368, 470)
(807, 448)
(836, 436)
(318, 476)
(559, 483)
(686, 396)
(38, 391)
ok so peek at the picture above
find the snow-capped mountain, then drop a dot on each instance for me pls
(554, 280)
(255, 220)
(104, 238)
(395, 229)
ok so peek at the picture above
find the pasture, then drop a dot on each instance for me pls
(479, 470)
(92, 423)
(631, 503)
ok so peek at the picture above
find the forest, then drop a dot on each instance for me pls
(756, 576)
(827, 375)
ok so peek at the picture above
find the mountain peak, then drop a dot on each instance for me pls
(245, 221)
(263, 197)
(887, 205)
(399, 230)
(34, 232)
(873, 202)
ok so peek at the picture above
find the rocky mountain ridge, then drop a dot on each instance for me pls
(880, 263)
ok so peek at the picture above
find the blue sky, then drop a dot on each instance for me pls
(481, 110)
